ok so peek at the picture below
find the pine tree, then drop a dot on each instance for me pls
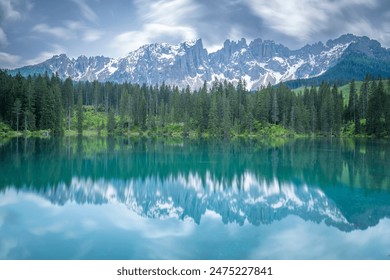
(142, 111)
(352, 103)
(111, 122)
(387, 109)
(227, 124)
(314, 109)
(79, 110)
(338, 101)
(123, 108)
(327, 112)
(274, 108)
(95, 95)
(249, 121)
(17, 110)
(57, 114)
(49, 110)
(302, 117)
(39, 89)
(29, 106)
(363, 98)
(213, 116)
(293, 116)
(129, 113)
(68, 97)
(203, 109)
(374, 111)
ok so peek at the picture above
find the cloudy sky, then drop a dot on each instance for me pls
(34, 30)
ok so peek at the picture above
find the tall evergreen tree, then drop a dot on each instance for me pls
(338, 102)
(68, 98)
(363, 98)
(227, 124)
(79, 110)
(203, 109)
(57, 113)
(29, 106)
(213, 116)
(352, 103)
(17, 110)
(374, 110)
(274, 108)
(111, 122)
(96, 89)
(123, 108)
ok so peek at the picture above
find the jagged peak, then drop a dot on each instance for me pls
(192, 43)
(59, 56)
(188, 44)
(189, 63)
(241, 42)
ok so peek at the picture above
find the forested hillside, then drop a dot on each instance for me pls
(48, 103)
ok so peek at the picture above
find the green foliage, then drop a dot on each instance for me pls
(17, 110)
(4, 129)
(43, 103)
(271, 131)
(111, 123)
(80, 112)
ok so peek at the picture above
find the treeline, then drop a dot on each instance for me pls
(223, 109)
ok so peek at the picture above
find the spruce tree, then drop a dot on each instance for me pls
(213, 116)
(68, 98)
(227, 124)
(17, 110)
(79, 110)
(274, 108)
(352, 103)
(111, 122)
(374, 111)
(57, 114)
(123, 108)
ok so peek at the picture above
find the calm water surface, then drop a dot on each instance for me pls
(161, 199)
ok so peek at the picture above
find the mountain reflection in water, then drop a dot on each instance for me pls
(341, 183)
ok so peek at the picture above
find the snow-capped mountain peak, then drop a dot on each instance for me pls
(189, 64)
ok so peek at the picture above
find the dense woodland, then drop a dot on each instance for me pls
(223, 109)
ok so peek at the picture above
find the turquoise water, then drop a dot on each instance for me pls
(119, 198)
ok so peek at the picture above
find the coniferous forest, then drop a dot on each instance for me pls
(47, 103)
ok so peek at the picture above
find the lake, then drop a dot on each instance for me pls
(119, 198)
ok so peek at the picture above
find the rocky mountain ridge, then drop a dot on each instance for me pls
(189, 64)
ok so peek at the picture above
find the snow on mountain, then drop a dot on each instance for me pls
(189, 197)
(189, 64)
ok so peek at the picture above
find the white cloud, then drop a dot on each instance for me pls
(86, 33)
(58, 32)
(3, 38)
(9, 61)
(7, 14)
(363, 27)
(7, 11)
(164, 20)
(42, 56)
(168, 12)
(152, 32)
(235, 33)
(87, 12)
(91, 35)
(304, 18)
(72, 30)
(6, 246)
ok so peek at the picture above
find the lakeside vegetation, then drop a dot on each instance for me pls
(42, 106)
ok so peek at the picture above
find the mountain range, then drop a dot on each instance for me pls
(259, 63)
(259, 202)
